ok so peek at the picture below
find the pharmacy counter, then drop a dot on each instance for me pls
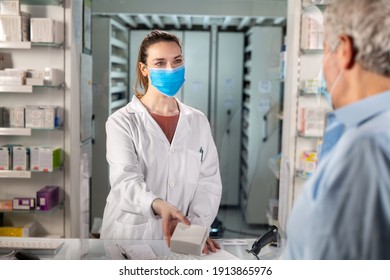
(96, 249)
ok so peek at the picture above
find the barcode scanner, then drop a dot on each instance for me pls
(270, 237)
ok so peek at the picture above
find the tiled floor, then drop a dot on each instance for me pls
(234, 226)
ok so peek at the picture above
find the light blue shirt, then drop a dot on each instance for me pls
(343, 211)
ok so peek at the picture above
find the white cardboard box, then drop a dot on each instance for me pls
(10, 8)
(20, 158)
(46, 30)
(4, 158)
(189, 239)
(17, 117)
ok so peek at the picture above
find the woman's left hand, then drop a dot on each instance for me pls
(211, 245)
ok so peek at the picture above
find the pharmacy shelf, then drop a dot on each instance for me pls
(118, 103)
(28, 45)
(118, 43)
(301, 135)
(34, 211)
(118, 74)
(15, 45)
(24, 173)
(42, 2)
(15, 131)
(311, 51)
(15, 174)
(47, 44)
(116, 89)
(28, 89)
(118, 60)
(9, 88)
(23, 131)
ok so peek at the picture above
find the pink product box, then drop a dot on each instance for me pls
(48, 197)
(23, 203)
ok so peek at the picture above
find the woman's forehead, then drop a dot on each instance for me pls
(165, 50)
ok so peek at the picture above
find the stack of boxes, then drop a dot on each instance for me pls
(45, 159)
(312, 121)
(41, 116)
(18, 26)
(46, 199)
(39, 159)
(14, 24)
(46, 30)
(312, 30)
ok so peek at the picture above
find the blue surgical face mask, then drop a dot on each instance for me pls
(323, 90)
(167, 81)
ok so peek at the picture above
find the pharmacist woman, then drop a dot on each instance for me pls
(163, 160)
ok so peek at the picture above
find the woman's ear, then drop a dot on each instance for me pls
(346, 53)
(144, 69)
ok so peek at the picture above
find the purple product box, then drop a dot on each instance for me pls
(48, 197)
(23, 203)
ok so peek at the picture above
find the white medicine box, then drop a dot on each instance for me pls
(34, 117)
(15, 28)
(4, 158)
(46, 30)
(16, 117)
(45, 159)
(20, 158)
(10, 8)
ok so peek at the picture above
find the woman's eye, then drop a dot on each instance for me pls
(179, 61)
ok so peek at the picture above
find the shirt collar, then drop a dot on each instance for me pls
(358, 112)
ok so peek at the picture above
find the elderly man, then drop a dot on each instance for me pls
(344, 209)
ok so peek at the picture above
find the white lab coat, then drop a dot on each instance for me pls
(145, 166)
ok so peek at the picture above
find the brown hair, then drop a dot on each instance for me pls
(155, 36)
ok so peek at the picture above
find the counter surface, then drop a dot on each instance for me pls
(97, 249)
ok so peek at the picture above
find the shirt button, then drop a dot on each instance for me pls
(173, 150)
(171, 184)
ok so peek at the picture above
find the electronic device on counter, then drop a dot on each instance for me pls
(40, 247)
(26, 255)
(270, 237)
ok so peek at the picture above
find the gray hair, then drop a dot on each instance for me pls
(367, 22)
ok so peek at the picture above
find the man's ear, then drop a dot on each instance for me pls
(346, 52)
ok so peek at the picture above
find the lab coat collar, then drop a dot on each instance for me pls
(183, 126)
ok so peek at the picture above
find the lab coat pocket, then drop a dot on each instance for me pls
(193, 166)
(132, 226)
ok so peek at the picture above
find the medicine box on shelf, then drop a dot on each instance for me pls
(23, 203)
(46, 30)
(48, 197)
(45, 159)
(4, 158)
(26, 230)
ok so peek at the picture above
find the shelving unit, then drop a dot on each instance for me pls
(304, 64)
(111, 92)
(27, 55)
(260, 123)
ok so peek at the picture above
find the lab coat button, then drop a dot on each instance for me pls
(171, 184)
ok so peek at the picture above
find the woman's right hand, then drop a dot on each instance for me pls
(170, 217)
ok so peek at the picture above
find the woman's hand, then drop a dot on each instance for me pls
(170, 217)
(211, 245)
